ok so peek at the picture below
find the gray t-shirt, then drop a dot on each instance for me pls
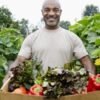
(53, 47)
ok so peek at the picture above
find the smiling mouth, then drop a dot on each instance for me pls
(51, 19)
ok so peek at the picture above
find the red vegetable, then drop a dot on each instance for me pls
(94, 83)
(36, 90)
(97, 82)
(20, 90)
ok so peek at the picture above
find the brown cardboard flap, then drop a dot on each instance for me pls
(4, 88)
(89, 96)
(10, 96)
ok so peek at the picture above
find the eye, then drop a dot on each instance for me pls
(46, 10)
(56, 10)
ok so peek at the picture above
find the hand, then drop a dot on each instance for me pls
(14, 65)
(11, 69)
(91, 75)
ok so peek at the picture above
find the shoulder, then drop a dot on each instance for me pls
(34, 35)
(72, 37)
(70, 34)
(30, 38)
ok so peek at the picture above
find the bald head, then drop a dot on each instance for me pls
(51, 12)
(52, 2)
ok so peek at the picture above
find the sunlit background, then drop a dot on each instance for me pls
(31, 9)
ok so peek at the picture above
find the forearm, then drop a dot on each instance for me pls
(87, 63)
(18, 62)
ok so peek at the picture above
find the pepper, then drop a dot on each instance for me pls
(94, 83)
(36, 90)
(97, 82)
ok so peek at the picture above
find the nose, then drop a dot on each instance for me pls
(51, 12)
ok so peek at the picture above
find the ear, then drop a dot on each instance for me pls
(42, 11)
(61, 11)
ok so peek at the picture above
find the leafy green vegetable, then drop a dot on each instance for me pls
(59, 82)
(23, 76)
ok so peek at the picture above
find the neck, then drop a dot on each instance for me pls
(52, 27)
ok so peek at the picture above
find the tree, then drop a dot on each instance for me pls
(15, 24)
(34, 29)
(5, 17)
(65, 24)
(24, 27)
(90, 10)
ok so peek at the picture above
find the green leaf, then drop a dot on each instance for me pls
(85, 21)
(92, 37)
(10, 43)
(98, 31)
(77, 28)
(3, 61)
(97, 42)
(96, 52)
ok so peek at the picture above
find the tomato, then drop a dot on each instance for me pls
(20, 90)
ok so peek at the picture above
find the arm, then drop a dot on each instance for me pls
(87, 63)
(81, 53)
(24, 54)
(19, 61)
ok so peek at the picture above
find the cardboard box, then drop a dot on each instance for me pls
(10, 96)
(4, 95)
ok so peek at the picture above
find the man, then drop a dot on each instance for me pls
(53, 45)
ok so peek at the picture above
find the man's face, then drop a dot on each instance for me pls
(51, 14)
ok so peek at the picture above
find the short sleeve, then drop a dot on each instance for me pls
(79, 49)
(25, 50)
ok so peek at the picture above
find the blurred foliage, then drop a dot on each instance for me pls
(65, 24)
(90, 10)
(88, 29)
(10, 43)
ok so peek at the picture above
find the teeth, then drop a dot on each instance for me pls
(51, 19)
